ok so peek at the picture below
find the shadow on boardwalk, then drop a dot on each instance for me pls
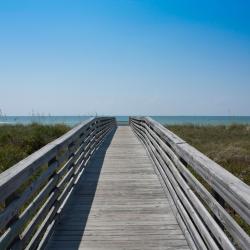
(73, 221)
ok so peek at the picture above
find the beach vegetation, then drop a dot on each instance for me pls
(228, 145)
(19, 141)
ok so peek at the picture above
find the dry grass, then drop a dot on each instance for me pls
(229, 145)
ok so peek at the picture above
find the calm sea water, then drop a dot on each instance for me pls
(73, 120)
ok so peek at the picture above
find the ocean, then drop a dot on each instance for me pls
(73, 120)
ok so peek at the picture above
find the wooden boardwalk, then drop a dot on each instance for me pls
(118, 203)
(100, 187)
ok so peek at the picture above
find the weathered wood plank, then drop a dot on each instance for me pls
(184, 215)
(52, 187)
(234, 229)
(170, 152)
(119, 202)
(12, 178)
(232, 189)
(179, 183)
(65, 193)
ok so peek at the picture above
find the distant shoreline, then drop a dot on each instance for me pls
(169, 120)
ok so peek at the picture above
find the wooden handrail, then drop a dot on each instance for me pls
(34, 191)
(206, 224)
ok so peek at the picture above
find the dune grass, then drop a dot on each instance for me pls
(228, 145)
(19, 141)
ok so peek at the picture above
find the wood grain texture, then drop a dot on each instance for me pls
(26, 218)
(171, 155)
(232, 189)
(12, 178)
(228, 222)
(119, 203)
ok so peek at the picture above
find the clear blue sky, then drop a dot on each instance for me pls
(149, 57)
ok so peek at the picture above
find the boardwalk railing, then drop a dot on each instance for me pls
(34, 191)
(201, 207)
